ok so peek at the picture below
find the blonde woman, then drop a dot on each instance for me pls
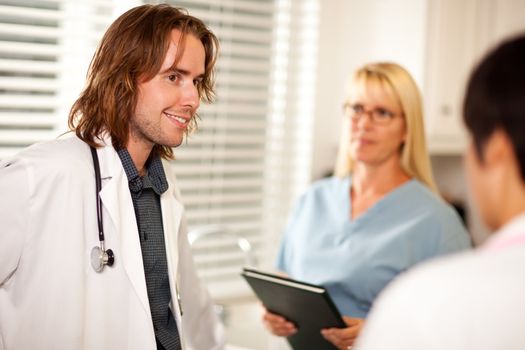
(380, 215)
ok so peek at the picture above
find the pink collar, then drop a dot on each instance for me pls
(504, 243)
(510, 235)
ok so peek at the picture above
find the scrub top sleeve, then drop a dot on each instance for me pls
(14, 213)
(454, 236)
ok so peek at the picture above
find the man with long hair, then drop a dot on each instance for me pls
(93, 247)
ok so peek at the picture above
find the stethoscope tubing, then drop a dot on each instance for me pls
(100, 257)
(98, 186)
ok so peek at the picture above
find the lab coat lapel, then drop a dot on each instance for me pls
(172, 211)
(116, 199)
(171, 218)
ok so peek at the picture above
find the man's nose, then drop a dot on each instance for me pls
(191, 96)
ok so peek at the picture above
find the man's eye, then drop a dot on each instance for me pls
(197, 82)
(172, 77)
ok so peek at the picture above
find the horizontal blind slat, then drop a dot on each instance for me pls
(28, 119)
(265, 7)
(246, 50)
(242, 64)
(234, 228)
(210, 121)
(192, 183)
(28, 84)
(33, 49)
(225, 213)
(223, 198)
(28, 66)
(255, 37)
(224, 136)
(235, 19)
(30, 13)
(216, 153)
(30, 31)
(220, 168)
(225, 108)
(24, 102)
(236, 81)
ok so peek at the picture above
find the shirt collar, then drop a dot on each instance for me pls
(512, 232)
(155, 173)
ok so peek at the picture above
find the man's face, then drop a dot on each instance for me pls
(167, 102)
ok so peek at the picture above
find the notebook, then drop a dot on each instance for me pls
(307, 305)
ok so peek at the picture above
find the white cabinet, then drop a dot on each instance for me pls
(438, 41)
(458, 33)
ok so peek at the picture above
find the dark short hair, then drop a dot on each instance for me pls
(495, 98)
(134, 47)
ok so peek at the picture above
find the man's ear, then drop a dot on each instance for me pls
(498, 149)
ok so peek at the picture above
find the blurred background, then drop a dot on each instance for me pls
(276, 122)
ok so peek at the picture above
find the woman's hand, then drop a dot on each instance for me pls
(278, 325)
(344, 338)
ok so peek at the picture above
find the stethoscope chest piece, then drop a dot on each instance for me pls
(101, 258)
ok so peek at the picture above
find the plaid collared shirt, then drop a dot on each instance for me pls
(145, 193)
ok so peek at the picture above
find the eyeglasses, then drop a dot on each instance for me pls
(380, 116)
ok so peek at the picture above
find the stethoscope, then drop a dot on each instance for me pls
(100, 257)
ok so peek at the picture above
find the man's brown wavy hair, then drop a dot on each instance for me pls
(133, 50)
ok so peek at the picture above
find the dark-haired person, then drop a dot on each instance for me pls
(151, 70)
(473, 300)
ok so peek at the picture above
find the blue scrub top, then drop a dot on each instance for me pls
(356, 259)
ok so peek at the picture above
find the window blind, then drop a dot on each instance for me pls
(44, 44)
(29, 69)
(221, 168)
(250, 157)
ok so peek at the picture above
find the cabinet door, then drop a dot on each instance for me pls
(500, 19)
(449, 54)
(459, 32)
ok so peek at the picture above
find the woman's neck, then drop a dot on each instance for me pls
(371, 183)
(377, 180)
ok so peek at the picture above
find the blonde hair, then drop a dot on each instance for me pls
(397, 82)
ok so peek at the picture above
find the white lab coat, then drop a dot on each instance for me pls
(473, 300)
(50, 296)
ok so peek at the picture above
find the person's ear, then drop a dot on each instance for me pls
(498, 149)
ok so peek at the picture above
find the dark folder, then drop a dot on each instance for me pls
(307, 305)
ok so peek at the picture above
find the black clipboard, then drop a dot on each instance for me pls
(307, 305)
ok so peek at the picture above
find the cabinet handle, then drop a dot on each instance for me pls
(446, 110)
